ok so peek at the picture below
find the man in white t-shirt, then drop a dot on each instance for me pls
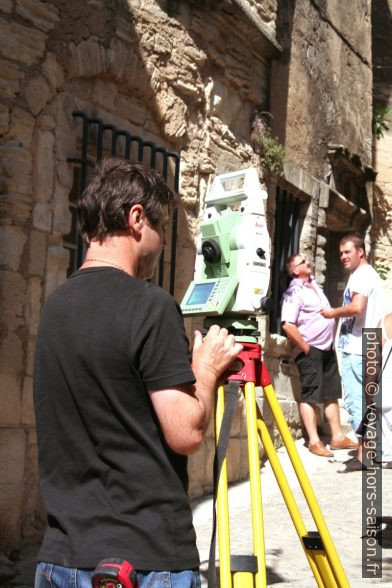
(362, 308)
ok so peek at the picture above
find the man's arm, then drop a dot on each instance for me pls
(184, 411)
(295, 336)
(356, 307)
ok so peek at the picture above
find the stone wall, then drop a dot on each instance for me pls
(171, 72)
(188, 78)
(325, 70)
(382, 147)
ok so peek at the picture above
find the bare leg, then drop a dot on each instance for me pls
(360, 449)
(309, 418)
(332, 413)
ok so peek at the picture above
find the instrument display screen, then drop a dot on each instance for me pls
(201, 293)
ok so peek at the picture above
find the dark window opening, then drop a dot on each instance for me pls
(288, 223)
(349, 181)
(99, 139)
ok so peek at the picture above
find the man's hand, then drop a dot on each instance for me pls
(292, 332)
(213, 355)
(328, 313)
(356, 307)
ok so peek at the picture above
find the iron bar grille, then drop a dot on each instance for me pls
(287, 234)
(99, 139)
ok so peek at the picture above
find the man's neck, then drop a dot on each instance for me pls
(363, 261)
(305, 279)
(112, 252)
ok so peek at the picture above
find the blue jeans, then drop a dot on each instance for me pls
(351, 372)
(53, 576)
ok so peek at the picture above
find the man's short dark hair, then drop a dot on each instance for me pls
(355, 239)
(115, 187)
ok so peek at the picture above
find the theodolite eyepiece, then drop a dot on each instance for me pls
(211, 251)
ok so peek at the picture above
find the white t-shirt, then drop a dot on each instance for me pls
(366, 281)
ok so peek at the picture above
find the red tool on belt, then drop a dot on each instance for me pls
(114, 573)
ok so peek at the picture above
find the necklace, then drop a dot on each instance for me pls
(107, 263)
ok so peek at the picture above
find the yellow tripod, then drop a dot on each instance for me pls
(318, 546)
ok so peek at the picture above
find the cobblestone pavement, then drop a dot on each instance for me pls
(340, 500)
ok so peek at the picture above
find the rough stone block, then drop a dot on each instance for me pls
(27, 414)
(13, 291)
(131, 109)
(21, 128)
(4, 119)
(65, 143)
(17, 167)
(16, 208)
(10, 77)
(51, 282)
(6, 6)
(37, 254)
(11, 354)
(46, 123)
(34, 304)
(57, 257)
(105, 93)
(62, 217)
(53, 71)
(10, 515)
(58, 261)
(291, 414)
(21, 43)
(233, 460)
(173, 112)
(65, 174)
(238, 416)
(30, 356)
(196, 468)
(34, 516)
(44, 167)
(10, 403)
(12, 242)
(282, 385)
(42, 15)
(12, 455)
(42, 217)
(87, 60)
(38, 93)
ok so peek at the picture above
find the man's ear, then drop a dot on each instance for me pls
(136, 218)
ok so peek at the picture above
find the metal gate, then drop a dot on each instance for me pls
(98, 139)
(286, 242)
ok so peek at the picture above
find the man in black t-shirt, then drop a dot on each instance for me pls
(119, 402)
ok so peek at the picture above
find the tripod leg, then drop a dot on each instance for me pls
(243, 580)
(222, 503)
(287, 495)
(333, 558)
(255, 484)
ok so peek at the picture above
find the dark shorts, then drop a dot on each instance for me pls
(319, 376)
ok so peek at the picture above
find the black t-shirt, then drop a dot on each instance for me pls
(111, 485)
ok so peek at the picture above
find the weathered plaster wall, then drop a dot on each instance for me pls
(325, 70)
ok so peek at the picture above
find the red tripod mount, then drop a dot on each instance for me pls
(248, 367)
